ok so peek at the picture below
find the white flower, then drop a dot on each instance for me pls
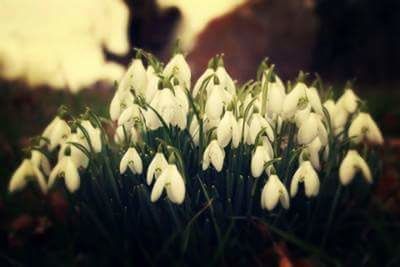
(39, 160)
(93, 133)
(134, 78)
(314, 100)
(56, 132)
(273, 192)
(130, 116)
(132, 160)
(311, 128)
(202, 82)
(225, 80)
(153, 81)
(122, 136)
(76, 154)
(348, 101)
(66, 168)
(215, 155)
(364, 127)
(156, 166)
(179, 68)
(172, 181)
(227, 130)
(337, 114)
(351, 164)
(260, 157)
(169, 108)
(120, 101)
(302, 115)
(294, 100)
(23, 174)
(275, 98)
(257, 124)
(307, 175)
(312, 150)
(216, 102)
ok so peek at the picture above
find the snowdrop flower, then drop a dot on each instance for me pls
(302, 115)
(311, 128)
(225, 80)
(351, 164)
(77, 156)
(314, 100)
(275, 99)
(120, 101)
(134, 78)
(364, 127)
(94, 135)
(307, 175)
(130, 116)
(170, 180)
(26, 172)
(157, 165)
(179, 68)
(227, 130)
(131, 135)
(181, 97)
(348, 101)
(257, 124)
(39, 160)
(294, 100)
(273, 192)
(153, 81)
(260, 157)
(56, 132)
(66, 168)
(216, 102)
(215, 155)
(169, 108)
(202, 82)
(338, 115)
(132, 160)
(312, 151)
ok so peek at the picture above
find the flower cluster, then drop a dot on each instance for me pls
(169, 133)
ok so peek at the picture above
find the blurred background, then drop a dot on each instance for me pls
(55, 52)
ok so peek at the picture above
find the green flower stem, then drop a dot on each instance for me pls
(331, 213)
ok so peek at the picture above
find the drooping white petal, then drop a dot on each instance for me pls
(225, 80)
(348, 101)
(351, 164)
(202, 82)
(363, 127)
(179, 68)
(156, 166)
(159, 186)
(257, 124)
(275, 99)
(314, 100)
(39, 160)
(71, 175)
(18, 179)
(215, 155)
(293, 100)
(273, 192)
(308, 130)
(307, 175)
(176, 186)
(258, 160)
(132, 160)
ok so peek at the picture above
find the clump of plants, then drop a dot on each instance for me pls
(208, 173)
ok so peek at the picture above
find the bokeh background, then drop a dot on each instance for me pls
(70, 52)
